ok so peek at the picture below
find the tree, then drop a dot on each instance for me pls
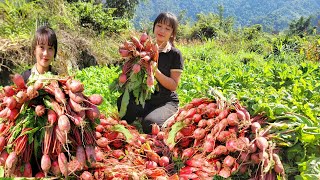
(301, 27)
(124, 8)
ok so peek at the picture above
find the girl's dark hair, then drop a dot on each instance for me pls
(45, 34)
(168, 18)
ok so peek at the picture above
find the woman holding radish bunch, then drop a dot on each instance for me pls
(163, 103)
(44, 50)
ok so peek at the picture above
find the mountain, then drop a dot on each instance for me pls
(274, 15)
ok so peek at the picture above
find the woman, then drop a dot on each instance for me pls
(163, 103)
(44, 50)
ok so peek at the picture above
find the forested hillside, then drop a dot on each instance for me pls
(274, 15)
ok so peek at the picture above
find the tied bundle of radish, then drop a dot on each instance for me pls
(214, 137)
(124, 153)
(137, 77)
(46, 127)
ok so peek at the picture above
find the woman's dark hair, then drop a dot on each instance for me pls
(171, 20)
(45, 34)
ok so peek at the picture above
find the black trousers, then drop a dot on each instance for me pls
(156, 110)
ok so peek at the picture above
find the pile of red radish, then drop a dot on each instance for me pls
(217, 138)
(124, 153)
(46, 127)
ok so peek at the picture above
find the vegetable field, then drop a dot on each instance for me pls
(285, 90)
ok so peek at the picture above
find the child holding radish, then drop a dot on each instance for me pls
(164, 102)
(44, 50)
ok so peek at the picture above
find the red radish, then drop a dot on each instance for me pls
(191, 112)
(86, 175)
(40, 110)
(146, 58)
(18, 80)
(252, 147)
(12, 114)
(199, 133)
(63, 164)
(52, 116)
(100, 155)
(118, 153)
(233, 119)
(3, 157)
(188, 176)
(224, 136)
(155, 129)
(2, 143)
(102, 142)
(55, 168)
(243, 168)
(90, 153)
(164, 161)
(76, 86)
(223, 114)
(95, 99)
(151, 165)
(81, 155)
(100, 128)
(211, 122)
(219, 150)
(76, 97)
(8, 91)
(153, 156)
(98, 135)
(208, 146)
(124, 52)
(228, 161)
(225, 172)
(123, 78)
(143, 38)
(76, 107)
(188, 170)
(255, 126)
(27, 170)
(202, 123)
(246, 113)
(194, 162)
(255, 158)
(160, 135)
(45, 163)
(11, 102)
(64, 123)
(31, 92)
(61, 136)
(136, 42)
(188, 131)
(93, 113)
(278, 167)
(241, 115)
(262, 143)
(21, 97)
(196, 118)
(136, 68)
(4, 112)
(40, 175)
(38, 84)
(11, 163)
(185, 142)
(232, 145)
(244, 156)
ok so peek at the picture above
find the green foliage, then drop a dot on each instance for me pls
(98, 18)
(20, 17)
(123, 8)
(301, 27)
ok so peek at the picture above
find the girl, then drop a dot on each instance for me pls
(44, 50)
(163, 103)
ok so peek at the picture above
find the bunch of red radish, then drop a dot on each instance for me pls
(64, 145)
(215, 138)
(139, 54)
(141, 155)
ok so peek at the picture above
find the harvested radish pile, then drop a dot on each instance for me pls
(217, 138)
(125, 154)
(137, 76)
(46, 127)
